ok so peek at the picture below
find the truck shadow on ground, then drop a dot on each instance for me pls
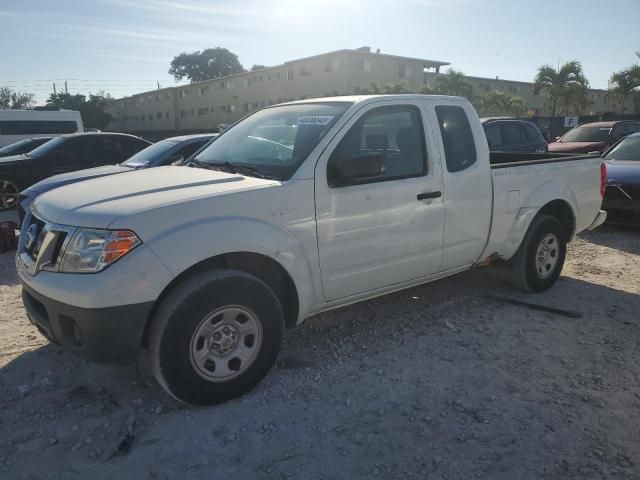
(619, 237)
(8, 274)
(488, 380)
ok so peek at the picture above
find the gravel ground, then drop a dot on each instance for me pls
(434, 382)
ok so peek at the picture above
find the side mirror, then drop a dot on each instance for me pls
(354, 169)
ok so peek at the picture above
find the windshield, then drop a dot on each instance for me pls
(45, 148)
(276, 140)
(15, 147)
(150, 154)
(587, 134)
(628, 150)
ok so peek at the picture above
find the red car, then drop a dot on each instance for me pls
(593, 137)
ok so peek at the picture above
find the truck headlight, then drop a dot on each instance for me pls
(92, 250)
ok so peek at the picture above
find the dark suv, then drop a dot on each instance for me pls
(63, 154)
(510, 135)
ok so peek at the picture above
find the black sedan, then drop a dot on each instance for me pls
(622, 197)
(63, 154)
(23, 146)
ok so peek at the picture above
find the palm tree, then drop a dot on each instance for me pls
(622, 85)
(499, 103)
(567, 84)
(453, 82)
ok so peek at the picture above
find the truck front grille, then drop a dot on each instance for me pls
(42, 243)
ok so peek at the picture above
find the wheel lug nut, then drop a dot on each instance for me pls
(217, 336)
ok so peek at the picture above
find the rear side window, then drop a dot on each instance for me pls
(33, 127)
(512, 133)
(533, 133)
(457, 138)
(494, 137)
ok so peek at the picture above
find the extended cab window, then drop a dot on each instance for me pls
(389, 140)
(457, 138)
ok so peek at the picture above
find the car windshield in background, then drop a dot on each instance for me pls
(627, 150)
(150, 154)
(274, 141)
(586, 134)
(15, 147)
(47, 147)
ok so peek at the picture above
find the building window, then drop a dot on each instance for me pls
(245, 108)
(404, 71)
(232, 108)
(167, 96)
(363, 65)
(157, 97)
(167, 114)
(278, 76)
(182, 93)
(203, 90)
(159, 115)
(290, 75)
(305, 71)
(229, 85)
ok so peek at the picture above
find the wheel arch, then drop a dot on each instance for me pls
(259, 265)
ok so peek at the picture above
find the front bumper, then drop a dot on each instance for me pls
(110, 335)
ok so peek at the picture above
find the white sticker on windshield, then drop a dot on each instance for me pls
(315, 120)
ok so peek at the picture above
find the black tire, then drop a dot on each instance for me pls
(181, 314)
(7, 183)
(526, 274)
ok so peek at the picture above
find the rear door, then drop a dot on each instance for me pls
(467, 183)
(385, 229)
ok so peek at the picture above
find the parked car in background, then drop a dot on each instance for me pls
(23, 146)
(63, 154)
(165, 152)
(512, 135)
(16, 125)
(622, 197)
(594, 137)
(207, 266)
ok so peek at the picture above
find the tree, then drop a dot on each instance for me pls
(205, 65)
(622, 85)
(566, 86)
(453, 82)
(386, 89)
(92, 110)
(257, 67)
(499, 103)
(14, 100)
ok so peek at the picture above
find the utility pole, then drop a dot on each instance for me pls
(54, 89)
(65, 87)
(158, 85)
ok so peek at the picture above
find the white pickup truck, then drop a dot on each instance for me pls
(297, 209)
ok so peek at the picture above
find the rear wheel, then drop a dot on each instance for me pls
(215, 336)
(9, 194)
(538, 262)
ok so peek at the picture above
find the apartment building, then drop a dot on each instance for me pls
(599, 101)
(205, 105)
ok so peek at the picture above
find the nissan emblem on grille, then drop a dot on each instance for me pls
(30, 237)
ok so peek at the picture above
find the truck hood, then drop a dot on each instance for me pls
(98, 202)
(579, 147)
(73, 177)
(623, 172)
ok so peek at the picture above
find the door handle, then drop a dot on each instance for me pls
(427, 195)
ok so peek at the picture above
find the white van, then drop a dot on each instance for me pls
(16, 125)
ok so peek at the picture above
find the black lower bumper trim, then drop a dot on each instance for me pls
(109, 335)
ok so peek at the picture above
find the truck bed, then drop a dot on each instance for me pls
(510, 159)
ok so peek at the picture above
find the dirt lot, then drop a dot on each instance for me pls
(435, 382)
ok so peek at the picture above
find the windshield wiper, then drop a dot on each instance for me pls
(246, 170)
(200, 164)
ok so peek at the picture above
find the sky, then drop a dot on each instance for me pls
(126, 46)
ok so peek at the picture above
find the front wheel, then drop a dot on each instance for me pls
(215, 336)
(538, 262)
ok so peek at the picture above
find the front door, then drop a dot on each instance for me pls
(385, 228)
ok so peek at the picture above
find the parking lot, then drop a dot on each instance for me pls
(439, 381)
